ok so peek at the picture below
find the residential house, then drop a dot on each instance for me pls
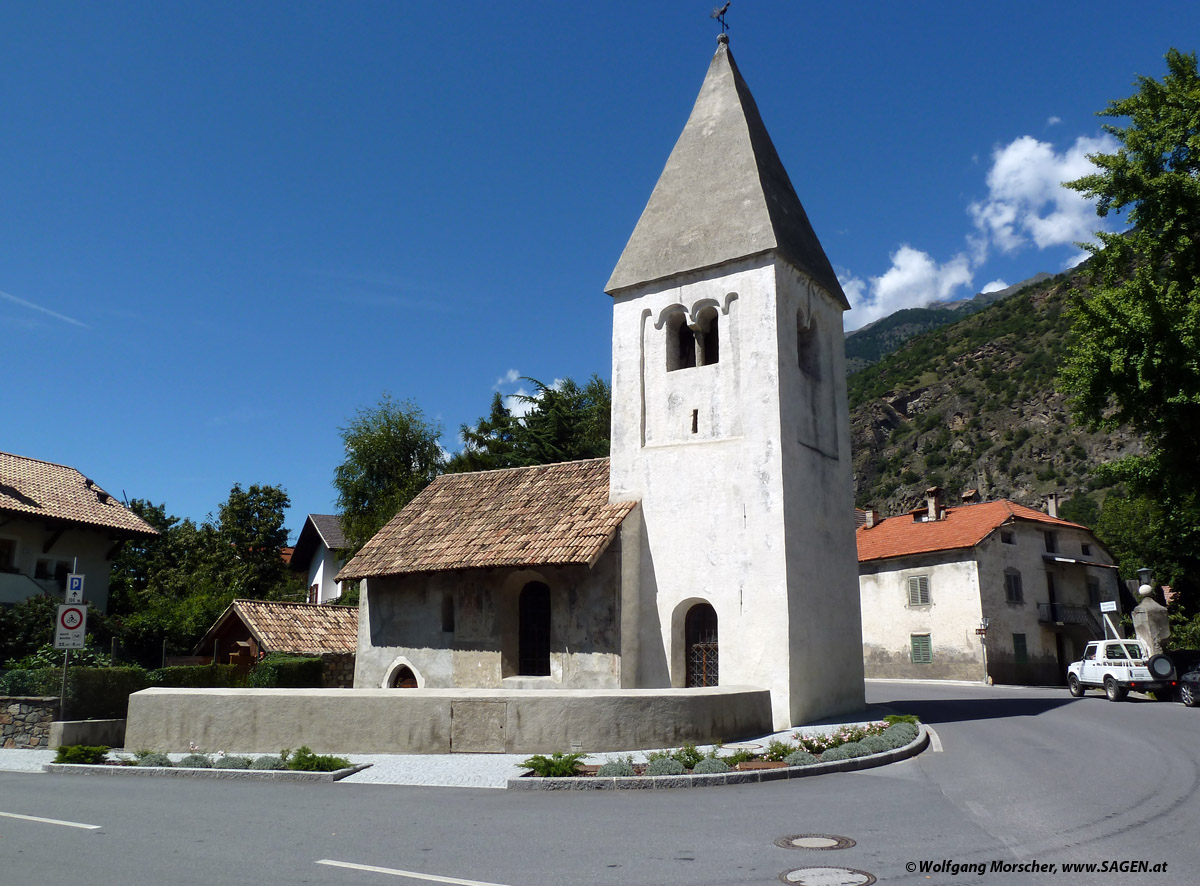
(54, 521)
(979, 591)
(316, 551)
(249, 629)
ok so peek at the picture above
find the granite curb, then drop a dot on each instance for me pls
(178, 772)
(669, 782)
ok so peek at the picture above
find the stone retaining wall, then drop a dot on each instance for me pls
(440, 721)
(25, 721)
(338, 670)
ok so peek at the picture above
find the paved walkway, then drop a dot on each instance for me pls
(440, 770)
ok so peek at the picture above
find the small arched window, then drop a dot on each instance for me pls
(808, 348)
(681, 343)
(404, 678)
(708, 338)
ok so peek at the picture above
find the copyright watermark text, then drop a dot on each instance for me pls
(979, 868)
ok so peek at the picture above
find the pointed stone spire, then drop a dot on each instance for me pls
(723, 195)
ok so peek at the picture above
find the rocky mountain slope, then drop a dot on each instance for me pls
(973, 404)
(879, 338)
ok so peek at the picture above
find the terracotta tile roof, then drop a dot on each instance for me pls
(549, 514)
(964, 527)
(299, 628)
(59, 493)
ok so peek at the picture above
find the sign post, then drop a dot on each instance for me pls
(69, 629)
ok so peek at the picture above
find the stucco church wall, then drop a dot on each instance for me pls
(481, 651)
(821, 555)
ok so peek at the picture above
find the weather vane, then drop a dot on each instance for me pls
(719, 15)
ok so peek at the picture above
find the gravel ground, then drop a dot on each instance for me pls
(440, 770)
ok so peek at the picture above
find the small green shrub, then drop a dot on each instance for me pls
(616, 769)
(557, 765)
(152, 758)
(854, 749)
(304, 760)
(892, 719)
(710, 766)
(231, 762)
(875, 744)
(902, 733)
(739, 756)
(195, 761)
(800, 758)
(269, 763)
(664, 766)
(198, 677)
(777, 750)
(81, 754)
(838, 753)
(688, 755)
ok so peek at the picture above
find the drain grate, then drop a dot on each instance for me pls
(814, 841)
(828, 877)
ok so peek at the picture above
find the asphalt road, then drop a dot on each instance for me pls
(1024, 775)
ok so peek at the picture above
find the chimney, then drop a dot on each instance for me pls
(933, 502)
(1052, 504)
(971, 496)
(872, 517)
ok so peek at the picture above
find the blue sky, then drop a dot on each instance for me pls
(225, 227)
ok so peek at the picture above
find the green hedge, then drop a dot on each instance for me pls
(278, 671)
(216, 676)
(92, 693)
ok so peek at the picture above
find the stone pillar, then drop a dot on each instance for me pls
(1150, 623)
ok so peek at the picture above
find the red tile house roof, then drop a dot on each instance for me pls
(59, 494)
(298, 628)
(963, 527)
(545, 515)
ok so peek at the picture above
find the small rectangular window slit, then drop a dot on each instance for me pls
(695, 420)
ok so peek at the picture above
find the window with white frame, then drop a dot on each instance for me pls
(1013, 592)
(918, 590)
(922, 648)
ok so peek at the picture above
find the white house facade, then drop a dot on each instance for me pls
(986, 591)
(316, 553)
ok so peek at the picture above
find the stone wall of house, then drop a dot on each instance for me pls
(25, 721)
(339, 670)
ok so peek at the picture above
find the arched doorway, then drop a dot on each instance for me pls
(533, 635)
(700, 643)
(403, 678)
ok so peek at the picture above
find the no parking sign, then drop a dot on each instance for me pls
(70, 627)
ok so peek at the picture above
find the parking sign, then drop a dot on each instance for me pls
(74, 588)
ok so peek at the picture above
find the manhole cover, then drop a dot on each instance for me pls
(828, 877)
(814, 841)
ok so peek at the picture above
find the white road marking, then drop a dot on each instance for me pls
(398, 873)
(934, 741)
(65, 824)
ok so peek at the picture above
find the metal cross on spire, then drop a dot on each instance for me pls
(719, 15)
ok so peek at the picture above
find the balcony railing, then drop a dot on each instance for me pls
(1069, 614)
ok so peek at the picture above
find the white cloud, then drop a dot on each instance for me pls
(1026, 202)
(914, 279)
(40, 309)
(1054, 121)
(994, 286)
(517, 404)
(508, 378)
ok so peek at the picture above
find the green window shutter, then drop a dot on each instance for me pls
(918, 590)
(1020, 650)
(922, 648)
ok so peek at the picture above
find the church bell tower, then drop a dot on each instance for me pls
(730, 426)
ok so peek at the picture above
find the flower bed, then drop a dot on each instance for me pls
(302, 763)
(841, 749)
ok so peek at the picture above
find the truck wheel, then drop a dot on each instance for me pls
(1114, 690)
(1161, 667)
(1187, 695)
(1074, 686)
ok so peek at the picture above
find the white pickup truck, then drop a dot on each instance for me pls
(1116, 666)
